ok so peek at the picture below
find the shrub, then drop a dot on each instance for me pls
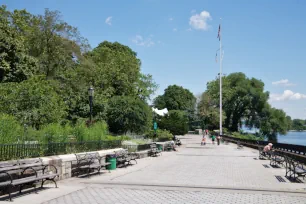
(55, 132)
(162, 135)
(10, 130)
(247, 136)
(97, 131)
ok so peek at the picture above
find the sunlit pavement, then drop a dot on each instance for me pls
(193, 174)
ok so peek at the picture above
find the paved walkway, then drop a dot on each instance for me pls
(194, 174)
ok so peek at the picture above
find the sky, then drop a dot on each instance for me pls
(176, 40)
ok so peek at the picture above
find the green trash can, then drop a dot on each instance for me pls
(160, 147)
(112, 161)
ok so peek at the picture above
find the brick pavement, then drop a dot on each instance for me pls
(97, 195)
(194, 174)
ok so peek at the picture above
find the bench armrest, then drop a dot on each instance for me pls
(9, 176)
(47, 166)
(27, 168)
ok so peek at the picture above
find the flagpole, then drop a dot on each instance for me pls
(220, 77)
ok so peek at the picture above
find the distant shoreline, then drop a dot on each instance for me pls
(296, 130)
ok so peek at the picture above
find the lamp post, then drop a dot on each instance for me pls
(91, 94)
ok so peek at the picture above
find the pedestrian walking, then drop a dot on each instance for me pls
(218, 139)
(203, 140)
(213, 137)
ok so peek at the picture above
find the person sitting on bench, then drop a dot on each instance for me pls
(173, 145)
(268, 147)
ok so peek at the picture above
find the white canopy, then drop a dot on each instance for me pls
(160, 112)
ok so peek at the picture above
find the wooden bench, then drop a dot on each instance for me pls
(262, 154)
(294, 169)
(276, 158)
(124, 158)
(19, 173)
(90, 162)
(154, 151)
(168, 146)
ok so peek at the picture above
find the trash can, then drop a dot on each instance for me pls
(112, 161)
(160, 147)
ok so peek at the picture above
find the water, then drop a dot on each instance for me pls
(298, 138)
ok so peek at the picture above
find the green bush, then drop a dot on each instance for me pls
(10, 130)
(247, 136)
(55, 132)
(97, 131)
(162, 135)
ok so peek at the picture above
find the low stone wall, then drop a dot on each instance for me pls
(65, 162)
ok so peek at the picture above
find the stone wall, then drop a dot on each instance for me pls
(64, 162)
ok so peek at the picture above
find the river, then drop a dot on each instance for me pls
(298, 138)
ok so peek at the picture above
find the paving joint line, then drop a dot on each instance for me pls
(302, 192)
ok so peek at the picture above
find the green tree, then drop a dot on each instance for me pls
(34, 102)
(145, 86)
(126, 113)
(298, 124)
(289, 122)
(15, 64)
(209, 113)
(175, 121)
(176, 98)
(57, 45)
(117, 68)
(243, 98)
(273, 121)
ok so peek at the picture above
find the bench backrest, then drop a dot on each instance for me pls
(35, 161)
(153, 146)
(87, 158)
(8, 164)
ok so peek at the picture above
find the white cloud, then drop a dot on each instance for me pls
(109, 20)
(171, 19)
(189, 29)
(283, 82)
(287, 95)
(139, 40)
(174, 29)
(200, 21)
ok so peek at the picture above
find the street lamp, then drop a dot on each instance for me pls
(91, 94)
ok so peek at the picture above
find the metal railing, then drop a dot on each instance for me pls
(136, 148)
(20, 151)
(297, 151)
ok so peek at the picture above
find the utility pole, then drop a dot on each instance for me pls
(220, 77)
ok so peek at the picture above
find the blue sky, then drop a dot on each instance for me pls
(176, 40)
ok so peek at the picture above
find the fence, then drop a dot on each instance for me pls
(20, 151)
(296, 151)
(136, 148)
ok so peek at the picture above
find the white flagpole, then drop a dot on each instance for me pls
(220, 76)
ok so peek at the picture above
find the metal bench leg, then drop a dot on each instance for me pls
(9, 192)
(42, 183)
(35, 189)
(88, 172)
(20, 188)
(54, 182)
